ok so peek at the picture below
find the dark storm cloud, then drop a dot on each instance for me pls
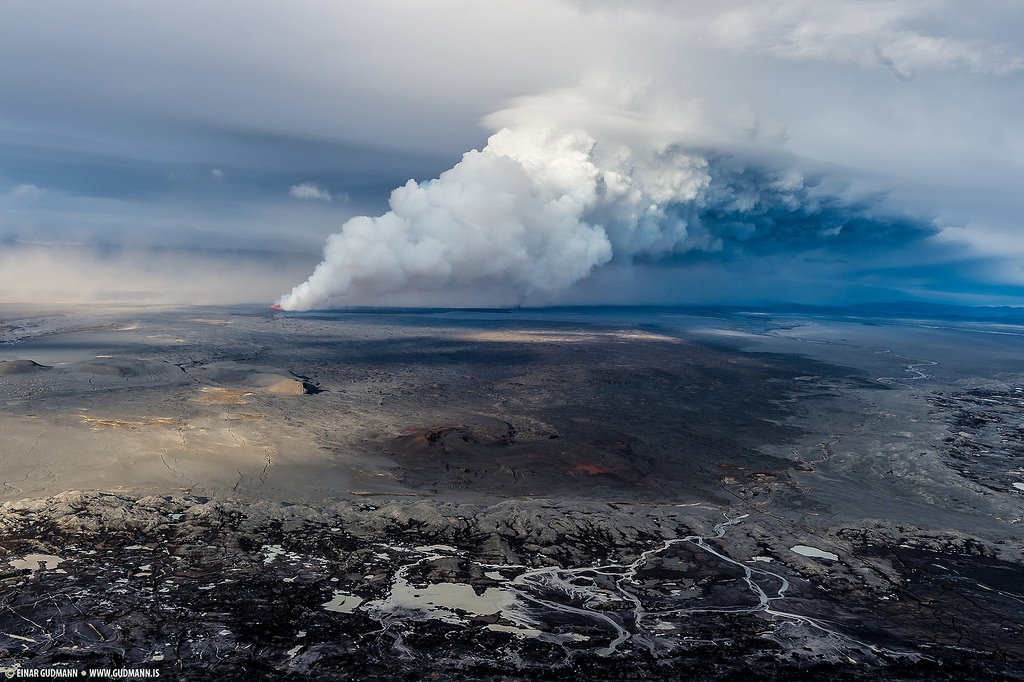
(761, 210)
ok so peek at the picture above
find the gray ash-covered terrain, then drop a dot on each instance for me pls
(573, 495)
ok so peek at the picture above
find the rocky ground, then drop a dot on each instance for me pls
(229, 590)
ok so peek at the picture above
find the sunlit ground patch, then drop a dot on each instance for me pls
(98, 423)
(226, 396)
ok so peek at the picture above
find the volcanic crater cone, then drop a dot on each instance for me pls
(258, 377)
(8, 367)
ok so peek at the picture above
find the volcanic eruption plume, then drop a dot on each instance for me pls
(577, 181)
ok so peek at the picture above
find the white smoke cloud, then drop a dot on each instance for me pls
(546, 203)
(509, 215)
(309, 190)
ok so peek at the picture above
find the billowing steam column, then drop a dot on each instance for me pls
(511, 217)
(545, 203)
(535, 211)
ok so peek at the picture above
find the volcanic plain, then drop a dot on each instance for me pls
(574, 494)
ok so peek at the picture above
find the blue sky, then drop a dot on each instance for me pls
(674, 152)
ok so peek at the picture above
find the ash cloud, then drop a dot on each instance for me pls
(588, 179)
